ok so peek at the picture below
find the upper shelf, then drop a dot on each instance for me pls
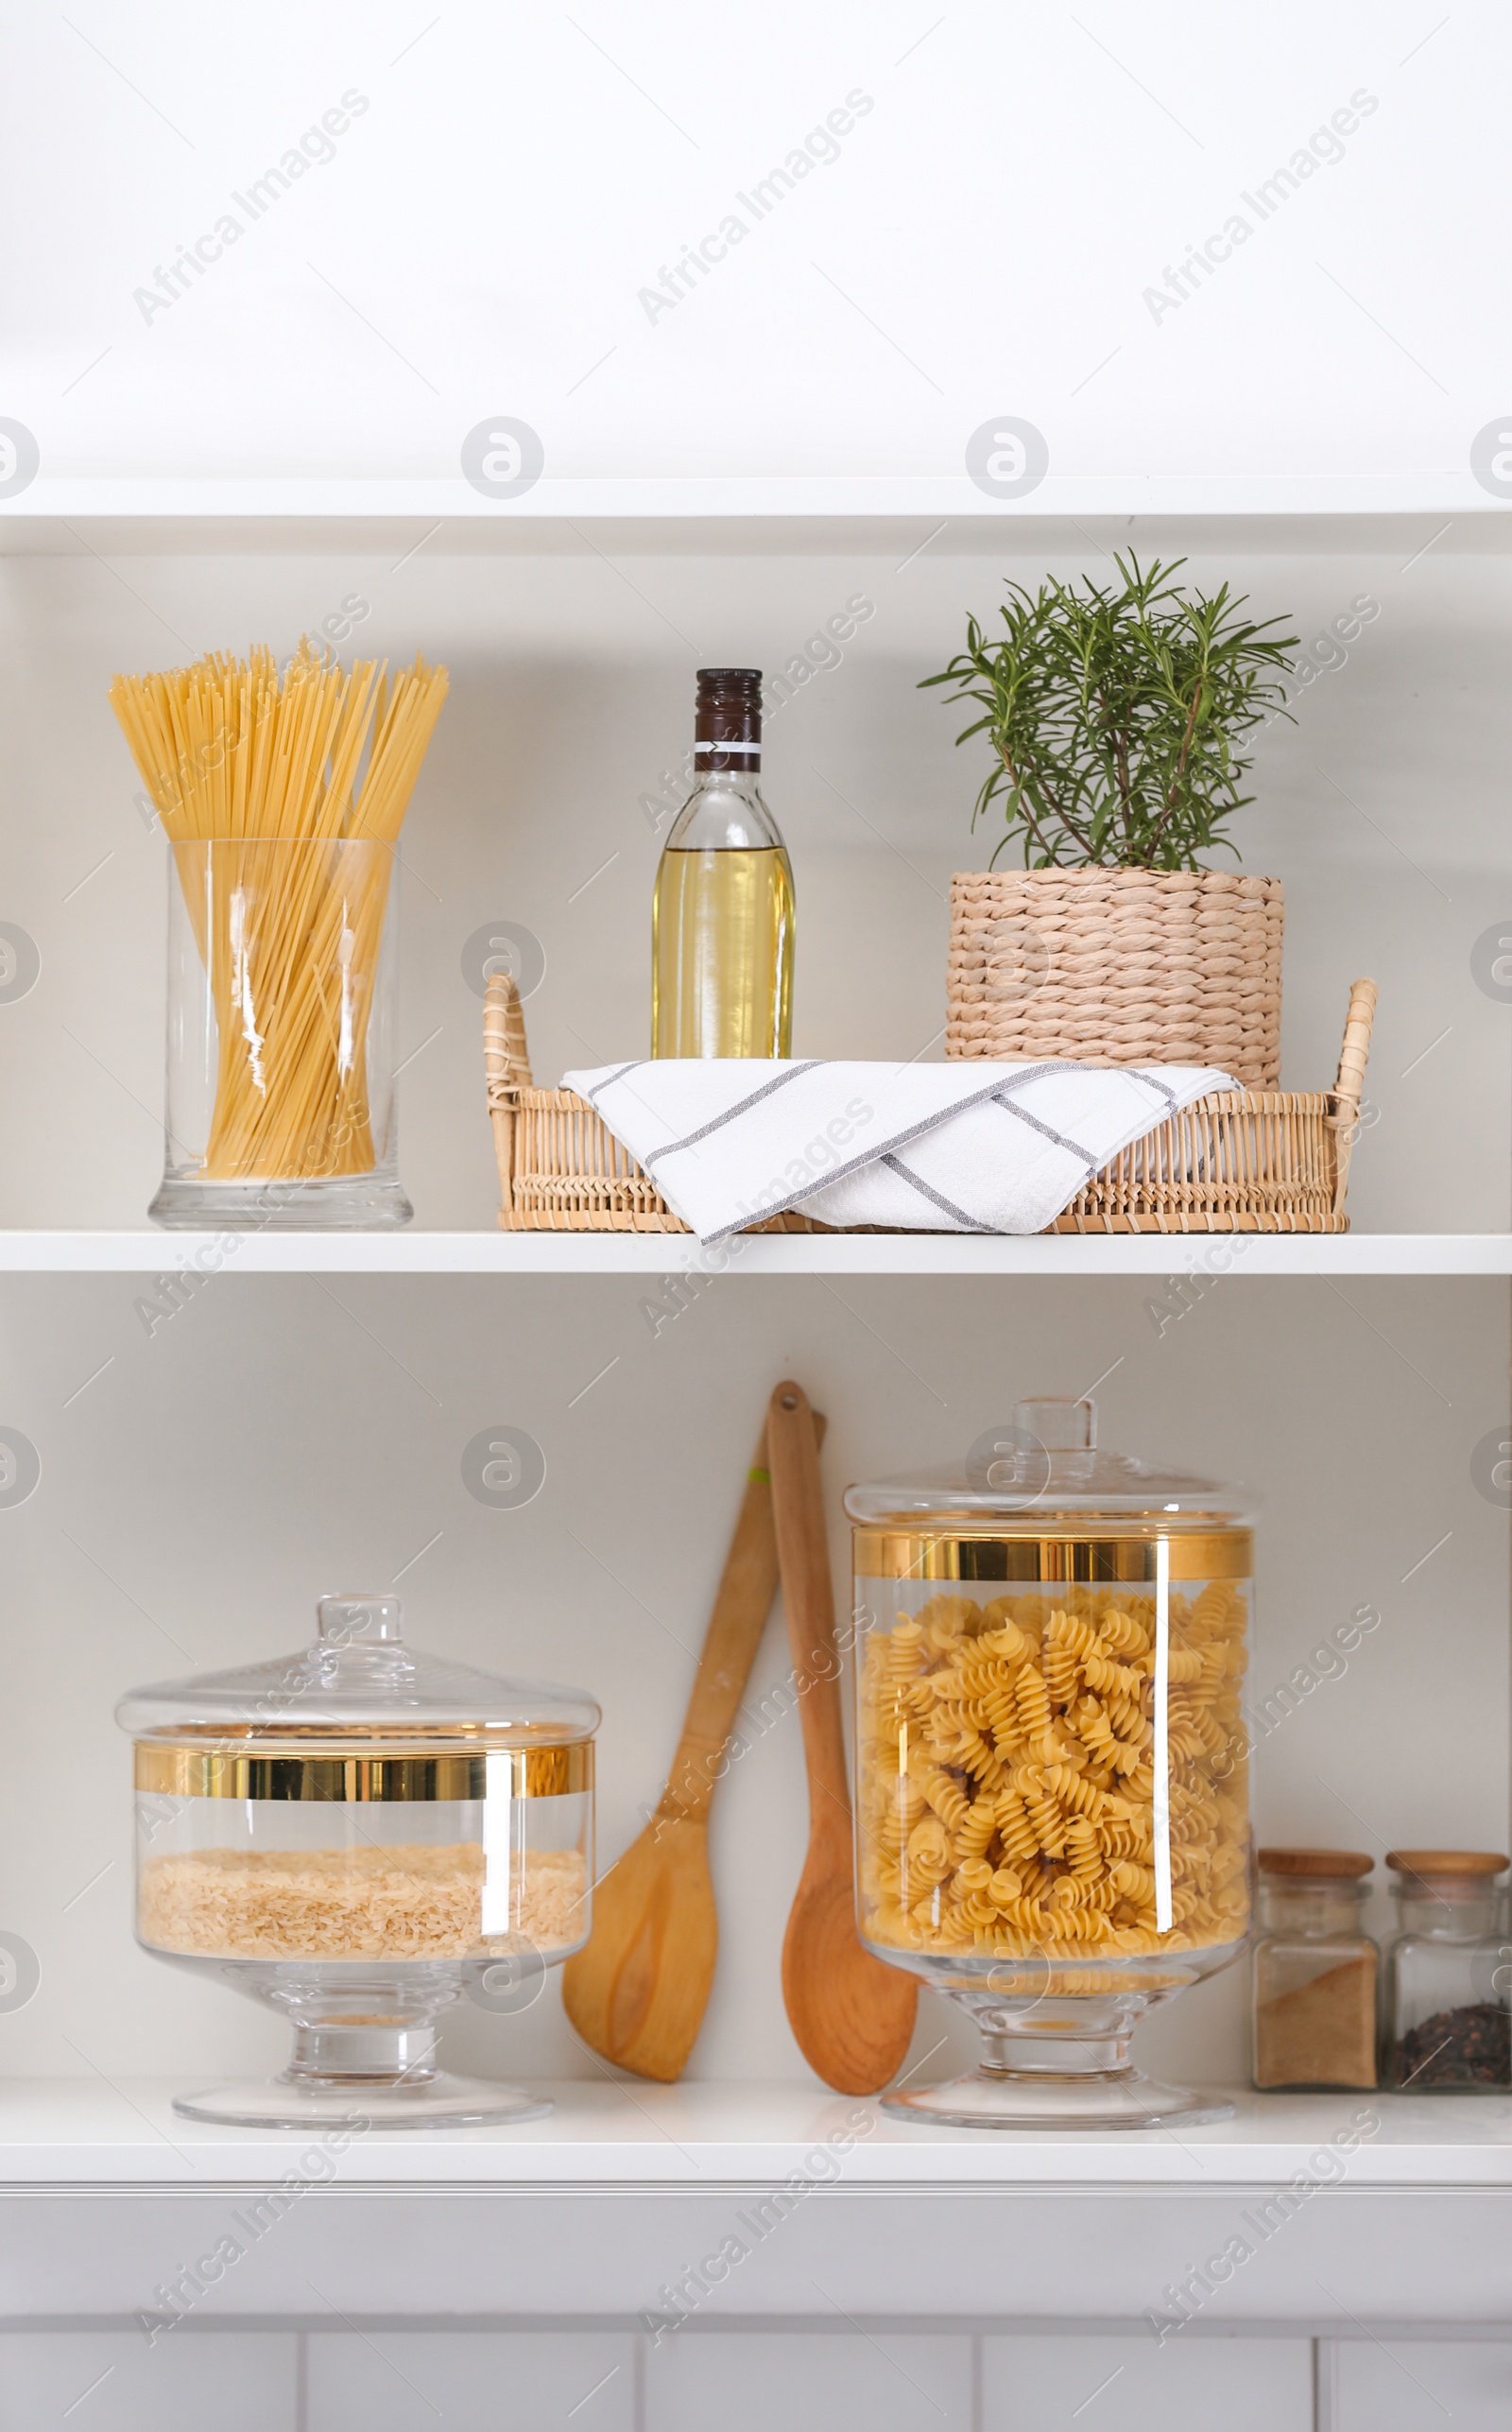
(151, 1253)
(1324, 511)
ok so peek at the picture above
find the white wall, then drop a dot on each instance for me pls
(283, 1436)
(981, 246)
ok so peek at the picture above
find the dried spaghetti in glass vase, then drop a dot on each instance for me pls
(1051, 1800)
(281, 797)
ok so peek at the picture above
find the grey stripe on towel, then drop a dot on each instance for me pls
(610, 1080)
(1072, 1147)
(780, 1080)
(969, 1224)
(1141, 1075)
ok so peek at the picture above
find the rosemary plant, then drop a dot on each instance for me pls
(1116, 716)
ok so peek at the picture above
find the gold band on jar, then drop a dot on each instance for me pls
(959, 1554)
(365, 1774)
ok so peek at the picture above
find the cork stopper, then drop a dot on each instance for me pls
(1317, 1864)
(1429, 1865)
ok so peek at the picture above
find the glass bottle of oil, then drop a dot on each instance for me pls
(722, 914)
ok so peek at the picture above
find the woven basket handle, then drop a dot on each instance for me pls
(506, 1055)
(1348, 1088)
(507, 1066)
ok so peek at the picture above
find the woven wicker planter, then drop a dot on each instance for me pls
(1117, 967)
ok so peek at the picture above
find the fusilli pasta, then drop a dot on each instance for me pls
(1007, 1779)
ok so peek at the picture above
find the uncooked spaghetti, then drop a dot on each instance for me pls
(284, 846)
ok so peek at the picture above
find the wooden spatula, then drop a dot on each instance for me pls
(853, 2015)
(639, 1991)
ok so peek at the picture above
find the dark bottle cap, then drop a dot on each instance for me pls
(727, 721)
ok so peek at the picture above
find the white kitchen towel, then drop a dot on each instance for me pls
(964, 1147)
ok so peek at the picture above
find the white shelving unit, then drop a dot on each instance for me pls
(308, 1409)
(1358, 1374)
(1309, 426)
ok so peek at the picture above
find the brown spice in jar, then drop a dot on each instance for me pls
(1322, 2033)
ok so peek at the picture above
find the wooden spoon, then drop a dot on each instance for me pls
(853, 2015)
(639, 1991)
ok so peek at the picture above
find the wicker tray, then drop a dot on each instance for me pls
(1242, 1161)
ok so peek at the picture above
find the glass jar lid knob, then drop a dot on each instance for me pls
(355, 1618)
(1058, 1424)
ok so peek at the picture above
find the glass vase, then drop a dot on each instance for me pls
(280, 1102)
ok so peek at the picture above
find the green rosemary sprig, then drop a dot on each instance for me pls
(1115, 716)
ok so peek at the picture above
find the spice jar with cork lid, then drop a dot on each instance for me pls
(1449, 1974)
(1315, 1969)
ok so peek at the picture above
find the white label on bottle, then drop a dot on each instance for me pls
(727, 747)
(1160, 1818)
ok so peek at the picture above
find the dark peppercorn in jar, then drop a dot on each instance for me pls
(1448, 2008)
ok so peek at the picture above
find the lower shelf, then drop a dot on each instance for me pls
(739, 2207)
(627, 2133)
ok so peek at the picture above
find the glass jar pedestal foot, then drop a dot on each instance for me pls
(378, 2072)
(1068, 2071)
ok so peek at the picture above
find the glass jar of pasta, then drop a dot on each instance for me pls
(1051, 1805)
(360, 1836)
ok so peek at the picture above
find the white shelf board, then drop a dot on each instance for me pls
(151, 1252)
(603, 2133)
(1349, 2209)
(60, 515)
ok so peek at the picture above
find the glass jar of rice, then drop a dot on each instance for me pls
(360, 1834)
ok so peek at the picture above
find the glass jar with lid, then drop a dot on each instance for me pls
(1449, 1974)
(358, 1835)
(1052, 1802)
(1314, 1972)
